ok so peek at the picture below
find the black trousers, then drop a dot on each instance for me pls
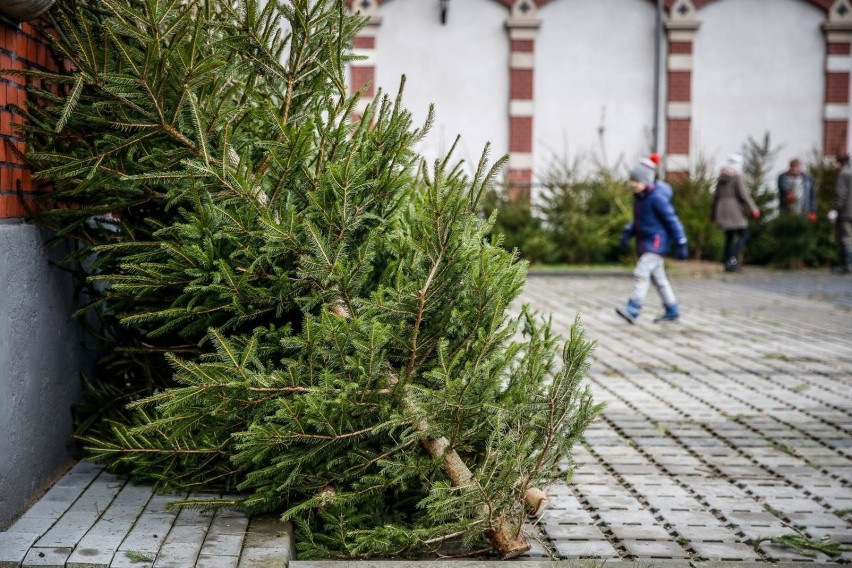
(735, 240)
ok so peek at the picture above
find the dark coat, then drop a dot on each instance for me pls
(731, 202)
(842, 202)
(655, 224)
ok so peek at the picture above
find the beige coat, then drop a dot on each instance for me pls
(731, 202)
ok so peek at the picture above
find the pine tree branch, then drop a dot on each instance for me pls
(507, 541)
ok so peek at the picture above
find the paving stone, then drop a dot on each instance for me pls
(68, 530)
(32, 524)
(816, 521)
(14, 547)
(655, 549)
(724, 551)
(177, 555)
(217, 561)
(53, 557)
(269, 543)
(133, 559)
(148, 533)
(182, 545)
(101, 542)
(712, 533)
(264, 558)
(689, 518)
(635, 517)
(584, 549)
(572, 532)
(640, 532)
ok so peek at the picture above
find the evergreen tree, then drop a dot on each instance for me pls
(296, 308)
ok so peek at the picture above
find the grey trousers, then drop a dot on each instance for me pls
(650, 267)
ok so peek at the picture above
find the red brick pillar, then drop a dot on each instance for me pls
(362, 73)
(522, 25)
(681, 28)
(838, 65)
(20, 48)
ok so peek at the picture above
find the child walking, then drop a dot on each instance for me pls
(656, 226)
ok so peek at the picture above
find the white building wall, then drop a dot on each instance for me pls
(461, 67)
(594, 81)
(758, 67)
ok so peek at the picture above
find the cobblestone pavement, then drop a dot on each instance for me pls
(732, 425)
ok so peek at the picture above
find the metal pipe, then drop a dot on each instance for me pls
(658, 44)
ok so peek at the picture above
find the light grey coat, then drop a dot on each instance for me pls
(731, 202)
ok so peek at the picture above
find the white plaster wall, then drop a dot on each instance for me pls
(758, 67)
(461, 67)
(594, 69)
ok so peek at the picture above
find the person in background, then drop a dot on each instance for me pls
(841, 214)
(732, 204)
(655, 226)
(796, 193)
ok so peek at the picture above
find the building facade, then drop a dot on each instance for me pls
(607, 81)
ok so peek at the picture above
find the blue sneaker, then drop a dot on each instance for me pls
(630, 312)
(672, 313)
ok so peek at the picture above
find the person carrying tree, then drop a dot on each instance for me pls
(656, 226)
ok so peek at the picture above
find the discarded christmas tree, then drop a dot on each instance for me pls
(295, 307)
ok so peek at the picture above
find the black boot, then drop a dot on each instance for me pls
(733, 265)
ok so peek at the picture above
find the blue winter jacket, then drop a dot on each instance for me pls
(655, 224)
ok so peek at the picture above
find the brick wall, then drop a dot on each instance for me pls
(20, 48)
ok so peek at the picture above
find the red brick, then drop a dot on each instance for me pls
(20, 45)
(519, 184)
(680, 86)
(5, 123)
(364, 76)
(521, 84)
(42, 55)
(17, 179)
(522, 46)
(835, 135)
(27, 180)
(677, 135)
(6, 179)
(837, 87)
(14, 208)
(680, 47)
(520, 133)
(364, 42)
(838, 48)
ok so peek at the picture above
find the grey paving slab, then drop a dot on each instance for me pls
(268, 543)
(47, 557)
(734, 424)
(724, 551)
(725, 392)
(14, 547)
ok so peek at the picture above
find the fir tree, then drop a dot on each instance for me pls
(296, 308)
